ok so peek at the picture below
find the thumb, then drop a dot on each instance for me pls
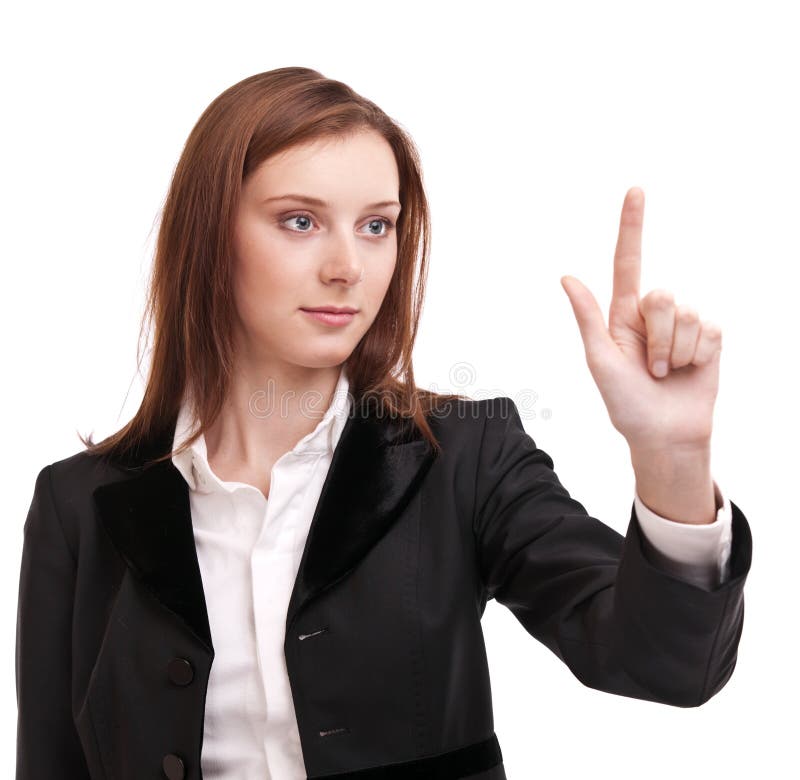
(596, 340)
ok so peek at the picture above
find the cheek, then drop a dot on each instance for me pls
(385, 277)
(266, 276)
(378, 287)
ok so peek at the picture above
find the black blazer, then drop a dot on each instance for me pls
(383, 644)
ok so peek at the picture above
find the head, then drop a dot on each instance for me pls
(234, 268)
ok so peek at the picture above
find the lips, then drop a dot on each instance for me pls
(330, 317)
(333, 309)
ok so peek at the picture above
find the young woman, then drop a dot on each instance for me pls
(278, 567)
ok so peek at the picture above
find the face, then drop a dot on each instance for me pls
(292, 254)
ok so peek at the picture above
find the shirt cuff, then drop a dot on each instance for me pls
(699, 554)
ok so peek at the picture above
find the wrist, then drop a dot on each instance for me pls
(676, 483)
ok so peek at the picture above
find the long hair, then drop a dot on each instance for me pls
(189, 303)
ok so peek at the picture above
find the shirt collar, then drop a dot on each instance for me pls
(193, 462)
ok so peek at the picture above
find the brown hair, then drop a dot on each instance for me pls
(189, 298)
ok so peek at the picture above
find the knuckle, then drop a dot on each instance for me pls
(660, 298)
(712, 330)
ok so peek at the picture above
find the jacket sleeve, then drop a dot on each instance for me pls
(697, 553)
(47, 741)
(620, 623)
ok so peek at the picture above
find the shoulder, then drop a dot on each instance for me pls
(472, 415)
(465, 426)
(81, 471)
(67, 485)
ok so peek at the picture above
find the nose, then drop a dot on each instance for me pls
(344, 264)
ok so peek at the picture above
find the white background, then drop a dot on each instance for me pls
(533, 119)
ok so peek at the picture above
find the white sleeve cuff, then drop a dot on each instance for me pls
(699, 554)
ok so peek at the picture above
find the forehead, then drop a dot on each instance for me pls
(361, 163)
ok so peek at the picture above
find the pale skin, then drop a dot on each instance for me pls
(289, 255)
(666, 418)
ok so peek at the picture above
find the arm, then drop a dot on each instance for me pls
(591, 596)
(47, 741)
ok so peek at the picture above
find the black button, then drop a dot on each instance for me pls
(173, 767)
(180, 671)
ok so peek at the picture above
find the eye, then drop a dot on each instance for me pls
(382, 221)
(305, 221)
(304, 217)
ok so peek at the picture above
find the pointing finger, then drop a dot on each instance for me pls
(628, 254)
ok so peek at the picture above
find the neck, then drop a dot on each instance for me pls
(268, 412)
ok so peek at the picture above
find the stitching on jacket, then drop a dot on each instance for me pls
(475, 482)
(100, 753)
(72, 555)
(418, 665)
(51, 492)
(704, 686)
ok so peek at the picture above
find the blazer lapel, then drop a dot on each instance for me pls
(376, 468)
(149, 521)
(377, 465)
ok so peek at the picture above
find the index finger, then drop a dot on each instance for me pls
(628, 254)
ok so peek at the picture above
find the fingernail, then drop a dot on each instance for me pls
(660, 368)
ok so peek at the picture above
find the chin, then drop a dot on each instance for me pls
(322, 358)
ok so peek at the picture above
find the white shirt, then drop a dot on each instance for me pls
(249, 549)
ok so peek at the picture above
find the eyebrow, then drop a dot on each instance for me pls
(324, 204)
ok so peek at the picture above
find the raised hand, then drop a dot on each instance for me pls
(652, 409)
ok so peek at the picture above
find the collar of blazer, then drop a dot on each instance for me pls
(376, 467)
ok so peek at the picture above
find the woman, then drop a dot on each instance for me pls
(278, 567)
